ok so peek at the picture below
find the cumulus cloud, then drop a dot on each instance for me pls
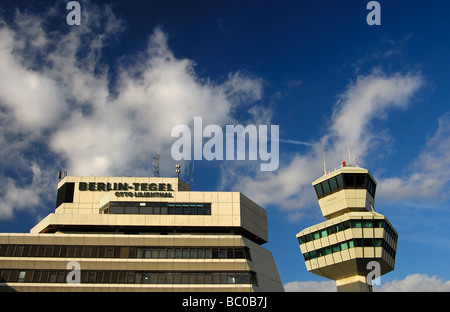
(411, 283)
(416, 283)
(310, 286)
(428, 176)
(364, 100)
(60, 105)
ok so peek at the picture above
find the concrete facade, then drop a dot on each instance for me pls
(141, 234)
(355, 239)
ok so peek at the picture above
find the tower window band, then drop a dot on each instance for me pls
(345, 181)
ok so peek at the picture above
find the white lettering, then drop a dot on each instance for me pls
(374, 17)
(213, 148)
(374, 276)
(74, 276)
(74, 16)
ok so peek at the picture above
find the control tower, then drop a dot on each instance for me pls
(356, 244)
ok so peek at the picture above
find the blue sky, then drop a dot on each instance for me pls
(101, 98)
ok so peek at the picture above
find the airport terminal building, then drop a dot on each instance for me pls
(141, 234)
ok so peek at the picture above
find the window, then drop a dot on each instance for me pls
(326, 188)
(21, 276)
(343, 181)
(333, 184)
(319, 252)
(335, 248)
(319, 191)
(156, 208)
(356, 224)
(331, 230)
(146, 278)
(116, 210)
(323, 233)
(146, 210)
(155, 253)
(349, 180)
(360, 180)
(367, 223)
(18, 251)
(239, 253)
(346, 224)
(131, 210)
(339, 181)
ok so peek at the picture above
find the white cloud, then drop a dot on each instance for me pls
(425, 180)
(368, 98)
(310, 286)
(32, 99)
(411, 283)
(58, 100)
(28, 197)
(416, 283)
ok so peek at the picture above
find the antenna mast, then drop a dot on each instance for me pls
(348, 151)
(156, 165)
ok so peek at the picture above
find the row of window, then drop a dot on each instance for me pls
(63, 251)
(129, 277)
(157, 208)
(356, 223)
(345, 181)
(356, 242)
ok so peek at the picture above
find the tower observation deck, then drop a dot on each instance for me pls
(355, 242)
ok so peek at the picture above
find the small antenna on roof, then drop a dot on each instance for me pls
(156, 165)
(62, 174)
(189, 172)
(348, 151)
(178, 170)
(324, 165)
(356, 160)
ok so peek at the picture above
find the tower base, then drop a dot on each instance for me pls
(353, 284)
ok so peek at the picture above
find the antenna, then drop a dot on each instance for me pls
(356, 159)
(178, 170)
(156, 166)
(188, 172)
(62, 174)
(348, 151)
(324, 165)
